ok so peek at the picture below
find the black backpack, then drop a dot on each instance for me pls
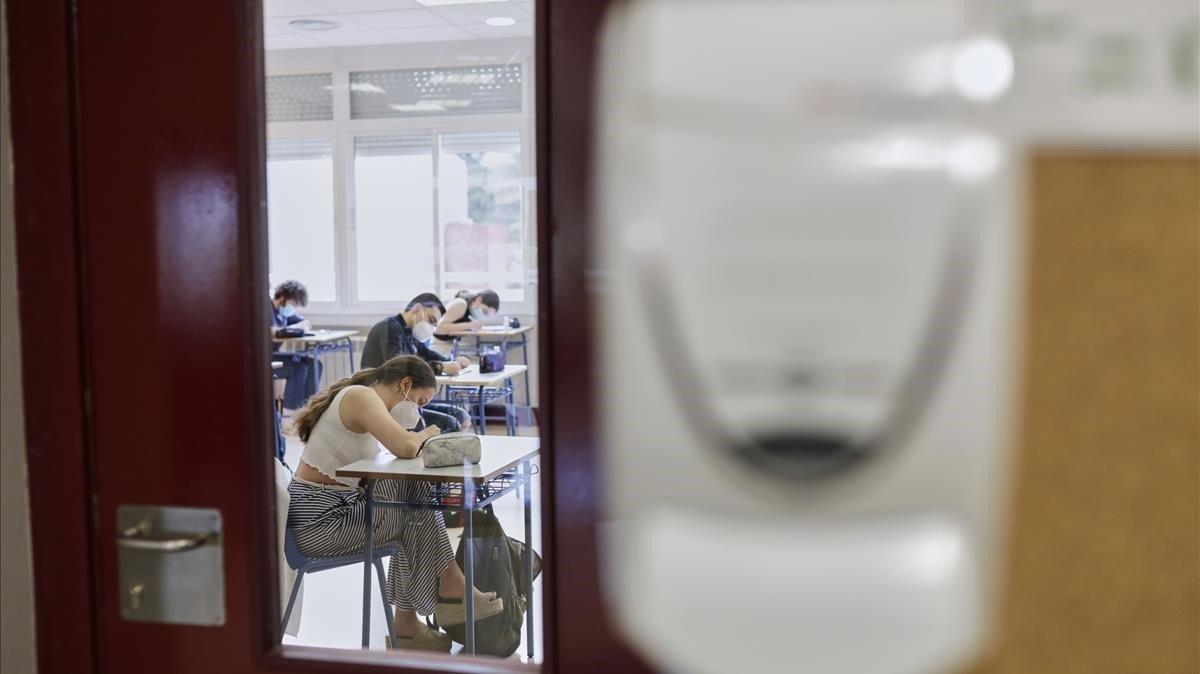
(499, 568)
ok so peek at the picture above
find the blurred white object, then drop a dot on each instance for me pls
(983, 69)
(810, 252)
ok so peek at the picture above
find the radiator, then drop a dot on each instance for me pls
(335, 365)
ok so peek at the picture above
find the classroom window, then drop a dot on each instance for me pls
(300, 214)
(393, 216)
(481, 213)
(401, 181)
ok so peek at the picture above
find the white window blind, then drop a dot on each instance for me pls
(300, 98)
(300, 215)
(424, 92)
(393, 221)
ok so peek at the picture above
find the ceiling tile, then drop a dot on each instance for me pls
(343, 6)
(519, 29)
(344, 21)
(430, 34)
(468, 15)
(274, 27)
(405, 18)
(291, 41)
(274, 8)
(350, 38)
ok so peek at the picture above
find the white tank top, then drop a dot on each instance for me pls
(330, 446)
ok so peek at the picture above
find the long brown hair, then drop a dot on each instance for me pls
(393, 371)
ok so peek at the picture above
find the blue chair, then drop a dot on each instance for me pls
(305, 565)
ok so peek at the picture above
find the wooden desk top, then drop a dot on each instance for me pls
(472, 377)
(500, 455)
(498, 332)
(318, 337)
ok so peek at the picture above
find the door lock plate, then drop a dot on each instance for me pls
(170, 565)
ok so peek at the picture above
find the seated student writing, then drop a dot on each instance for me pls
(407, 333)
(467, 312)
(347, 423)
(302, 372)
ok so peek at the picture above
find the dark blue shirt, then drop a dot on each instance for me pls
(392, 337)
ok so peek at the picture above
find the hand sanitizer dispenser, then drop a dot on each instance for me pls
(809, 255)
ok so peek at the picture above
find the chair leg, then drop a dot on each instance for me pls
(387, 608)
(287, 613)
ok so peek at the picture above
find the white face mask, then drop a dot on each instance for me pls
(477, 314)
(406, 413)
(423, 331)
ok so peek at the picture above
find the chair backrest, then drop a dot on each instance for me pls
(291, 553)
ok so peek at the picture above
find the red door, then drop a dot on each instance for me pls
(138, 147)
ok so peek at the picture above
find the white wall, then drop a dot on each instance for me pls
(17, 646)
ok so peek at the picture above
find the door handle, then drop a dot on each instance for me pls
(135, 538)
(183, 582)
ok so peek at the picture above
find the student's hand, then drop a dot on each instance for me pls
(463, 362)
(451, 368)
(429, 432)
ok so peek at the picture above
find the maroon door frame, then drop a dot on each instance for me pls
(42, 108)
(584, 638)
(137, 169)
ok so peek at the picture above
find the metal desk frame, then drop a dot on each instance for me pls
(315, 349)
(451, 495)
(506, 343)
(482, 396)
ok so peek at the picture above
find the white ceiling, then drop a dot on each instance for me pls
(365, 22)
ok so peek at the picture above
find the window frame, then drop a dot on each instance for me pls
(341, 132)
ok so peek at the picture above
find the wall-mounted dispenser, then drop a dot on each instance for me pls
(809, 251)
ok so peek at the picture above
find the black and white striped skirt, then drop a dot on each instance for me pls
(328, 520)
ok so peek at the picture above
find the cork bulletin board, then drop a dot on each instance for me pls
(1103, 561)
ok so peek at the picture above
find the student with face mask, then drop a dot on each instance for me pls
(347, 423)
(467, 312)
(302, 372)
(409, 333)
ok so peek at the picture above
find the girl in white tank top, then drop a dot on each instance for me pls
(331, 445)
(326, 516)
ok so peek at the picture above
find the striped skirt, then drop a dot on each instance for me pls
(328, 520)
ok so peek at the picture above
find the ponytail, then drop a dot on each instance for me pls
(394, 370)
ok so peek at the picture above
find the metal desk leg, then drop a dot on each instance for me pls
(368, 552)
(350, 351)
(469, 562)
(387, 607)
(525, 361)
(526, 474)
(482, 413)
(510, 413)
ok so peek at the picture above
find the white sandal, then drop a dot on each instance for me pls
(454, 611)
(426, 639)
